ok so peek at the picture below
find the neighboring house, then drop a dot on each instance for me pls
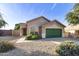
(43, 26)
(72, 30)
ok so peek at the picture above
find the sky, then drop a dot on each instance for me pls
(21, 12)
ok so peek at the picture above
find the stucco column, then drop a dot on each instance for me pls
(43, 33)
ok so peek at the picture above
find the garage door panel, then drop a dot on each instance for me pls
(50, 33)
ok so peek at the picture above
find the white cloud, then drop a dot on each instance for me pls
(42, 12)
(53, 6)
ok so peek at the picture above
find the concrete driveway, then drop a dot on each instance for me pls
(76, 40)
(55, 40)
(8, 37)
(12, 39)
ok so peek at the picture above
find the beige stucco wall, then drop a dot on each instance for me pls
(22, 25)
(51, 25)
(35, 24)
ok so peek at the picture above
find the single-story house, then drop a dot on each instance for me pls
(72, 30)
(43, 26)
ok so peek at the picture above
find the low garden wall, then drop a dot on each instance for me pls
(15, 32)
(5, 32)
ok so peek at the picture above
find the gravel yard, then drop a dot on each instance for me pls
(36, 48)
(43, 47)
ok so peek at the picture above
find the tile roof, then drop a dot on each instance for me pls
(38, 18)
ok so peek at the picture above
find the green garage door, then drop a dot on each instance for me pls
(52, 33)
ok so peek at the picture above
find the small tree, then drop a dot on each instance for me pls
(2, 22)
(17, 26)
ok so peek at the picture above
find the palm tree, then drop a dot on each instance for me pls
(76, 8)
(2, 22)
(73, 16)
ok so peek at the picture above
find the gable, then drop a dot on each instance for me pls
(59, 23)
(38, 21)
(54, 23)
(35, 19)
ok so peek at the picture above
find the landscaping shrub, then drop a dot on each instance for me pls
(33, 36)
(68, 48)
(5, 46)
(28, 37)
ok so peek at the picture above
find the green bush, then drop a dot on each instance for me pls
(68, 48)
(33, 36)
(28, 37)
(5, 46)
